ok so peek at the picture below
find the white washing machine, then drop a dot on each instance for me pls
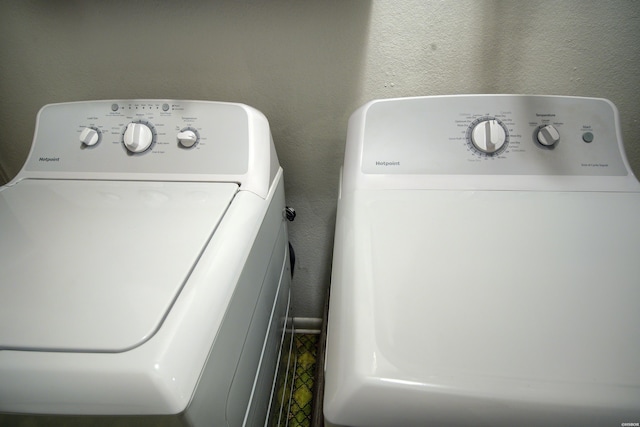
(144, 267)
(486, 266)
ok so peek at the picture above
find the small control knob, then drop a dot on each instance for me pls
(137, 137)
(89, 136)
(187, 138)
(548, 136)
(488, 136)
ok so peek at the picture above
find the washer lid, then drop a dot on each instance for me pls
(96, 265)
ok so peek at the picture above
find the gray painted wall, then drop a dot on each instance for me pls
(307, 65)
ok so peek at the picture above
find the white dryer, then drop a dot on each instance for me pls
(486, 266)
(144, 266)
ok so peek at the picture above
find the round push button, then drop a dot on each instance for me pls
(587, 137)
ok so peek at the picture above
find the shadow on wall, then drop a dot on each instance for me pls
(300, 63)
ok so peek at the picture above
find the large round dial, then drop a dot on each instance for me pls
(488, 135)
(138, 137)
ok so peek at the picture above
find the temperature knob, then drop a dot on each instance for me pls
(187, 138)
(137, 137)
(488, 136)
(90, 136)
(548, 136)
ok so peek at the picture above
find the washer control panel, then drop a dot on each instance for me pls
(491, 135)
(147, 136)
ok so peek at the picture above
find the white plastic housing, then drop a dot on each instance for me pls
(143, 284)
(475, 289)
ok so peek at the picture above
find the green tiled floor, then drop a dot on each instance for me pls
(296, 385)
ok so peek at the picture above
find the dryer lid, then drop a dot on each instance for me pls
(522, 301)
(96, 265)
(534, 285)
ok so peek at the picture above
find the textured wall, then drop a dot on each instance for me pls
(307, 66)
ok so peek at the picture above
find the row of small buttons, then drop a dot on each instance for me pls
(116, 107)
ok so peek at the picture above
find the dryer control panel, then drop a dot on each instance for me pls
(474, 137)
(151, 140)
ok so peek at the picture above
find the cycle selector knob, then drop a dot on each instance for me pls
(138, 137)
(488, 136)
(548, 135)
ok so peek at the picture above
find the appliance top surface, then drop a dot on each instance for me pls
(99, 262)
(517, 142)
(514, 296)
(508, 284)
